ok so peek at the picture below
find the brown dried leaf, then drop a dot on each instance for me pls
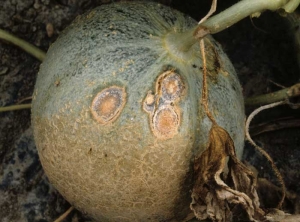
(275, 215)
(212, 197)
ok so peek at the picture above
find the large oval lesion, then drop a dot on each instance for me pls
(162, 105)
(108, 104)
(165, 122)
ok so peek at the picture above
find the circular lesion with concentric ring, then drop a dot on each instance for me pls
(162, 105)
(166, 121)
(108, 104)
(171, 86)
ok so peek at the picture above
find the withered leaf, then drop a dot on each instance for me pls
(214, 197)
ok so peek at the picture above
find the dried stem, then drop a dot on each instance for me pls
(274, 125)
(64, 215)
(212, 10)
(24, 99)
(204, 98)
(248, 137)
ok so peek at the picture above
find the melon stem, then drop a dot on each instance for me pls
(229, 17)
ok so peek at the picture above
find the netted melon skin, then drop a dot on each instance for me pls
(123, 169)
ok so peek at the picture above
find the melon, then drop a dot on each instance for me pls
(117, 113)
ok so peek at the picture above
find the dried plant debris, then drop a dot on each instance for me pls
(223, 185)
(271, 195)
(219, 198)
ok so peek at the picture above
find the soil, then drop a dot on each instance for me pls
(262, 51)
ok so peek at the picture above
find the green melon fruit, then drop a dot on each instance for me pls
(117, 113)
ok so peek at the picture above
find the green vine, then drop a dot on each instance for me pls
(229, 17)
(280, 95)
(27, 47)
(15, 107)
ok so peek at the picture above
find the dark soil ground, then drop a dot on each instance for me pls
(262, 51)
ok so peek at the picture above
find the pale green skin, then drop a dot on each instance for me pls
(122, 171)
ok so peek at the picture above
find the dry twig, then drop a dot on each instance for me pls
(64, 215)
(248, 137)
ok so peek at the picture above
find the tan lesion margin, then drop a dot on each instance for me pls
(108, 104)
(164, 113)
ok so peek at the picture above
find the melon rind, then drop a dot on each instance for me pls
(122, 171)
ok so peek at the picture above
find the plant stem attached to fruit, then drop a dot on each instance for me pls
(231, 16)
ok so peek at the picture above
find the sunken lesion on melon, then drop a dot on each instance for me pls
(108, 104)
(161, 105)
(166, 121)
(170, 86)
